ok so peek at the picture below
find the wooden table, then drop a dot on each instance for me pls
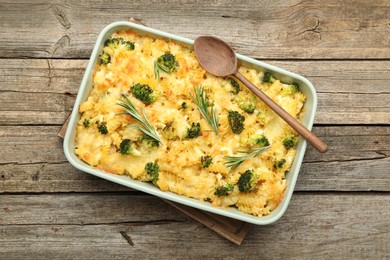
(341, 206)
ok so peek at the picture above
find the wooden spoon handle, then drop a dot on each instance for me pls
(315, 141)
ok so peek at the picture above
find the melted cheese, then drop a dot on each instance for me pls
(179, 160)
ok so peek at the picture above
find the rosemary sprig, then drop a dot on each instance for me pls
(200, 99)
(235, 161)
(145, 125)
(156, 71)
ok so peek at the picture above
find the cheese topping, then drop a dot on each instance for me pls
(181, 160)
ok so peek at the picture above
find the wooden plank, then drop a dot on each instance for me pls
(99, 209)
(262, 29)
(333, 108)
(351, 143)
(39, 144)
(44, 108)
(359, 175)
(352, 175)
(34, 108)
(335, 76)
(326, 225)
(45, 90)
(30, 101)
(51, 177)
(64, 76)
(30, 144)
(41, 75)
(85, 209)
(32, 160)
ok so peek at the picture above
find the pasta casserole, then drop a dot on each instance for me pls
(155, 115)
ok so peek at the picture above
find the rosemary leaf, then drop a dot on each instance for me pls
(233, 162)
(158, 68)
(156, 71)
(211, 116)
(145, 125)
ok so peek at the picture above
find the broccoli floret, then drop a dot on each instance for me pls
(224, 190)
(268, 78)
(102, 127)
(129, 45)
(258, 140)
(116, 43)
(86, 122)
(236, 122)
(206, 161)
(246, 101)
(148, 142)
(290, 90)
(194, 130)
(248, 181)
(289, 141)
(169, 131)
(167, 63)
(125, 146)
(152, 170)
(279, 164)
(234, 84)
(113, 42)
(144, 93)
(128, 147)
(105, 58)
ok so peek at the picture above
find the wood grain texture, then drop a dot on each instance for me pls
(358, 160)
(342, 47)
(330, 225)
(85, 209)
(262, 29)
(45, 90)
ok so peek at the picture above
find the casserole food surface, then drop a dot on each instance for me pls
(190, 157)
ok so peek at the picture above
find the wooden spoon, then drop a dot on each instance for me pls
(216, 57)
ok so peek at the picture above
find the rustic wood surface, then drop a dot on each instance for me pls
(340, 224)
(341, 207)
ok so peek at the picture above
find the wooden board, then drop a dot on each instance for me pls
(323, 225)
(262, 29)
(231, 229)
(50, 210)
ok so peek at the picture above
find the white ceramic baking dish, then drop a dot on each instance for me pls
(285, 76)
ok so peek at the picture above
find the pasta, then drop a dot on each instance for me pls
(196, 166)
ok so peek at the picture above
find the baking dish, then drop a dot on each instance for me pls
(288, 77)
